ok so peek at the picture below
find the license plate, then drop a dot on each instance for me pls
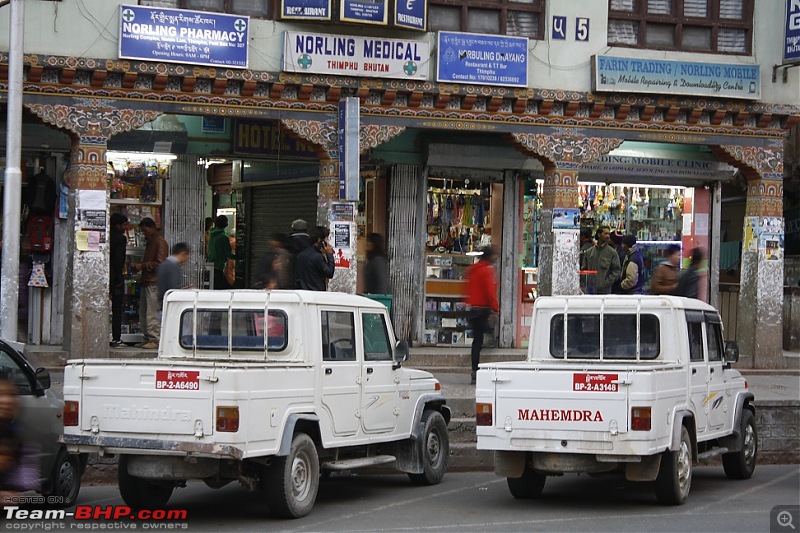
(589, 382)
(178, 379)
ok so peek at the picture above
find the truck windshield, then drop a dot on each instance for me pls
(582, 340)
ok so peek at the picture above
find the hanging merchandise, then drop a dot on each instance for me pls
(38, 277)
(40, 233)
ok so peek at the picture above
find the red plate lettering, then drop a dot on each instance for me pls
(590, 382)
(178, 379)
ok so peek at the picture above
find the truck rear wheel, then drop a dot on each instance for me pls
(741, 464)
(675, 475)
(139, 493)
(292, 482)
(435, 449)
(527, 487)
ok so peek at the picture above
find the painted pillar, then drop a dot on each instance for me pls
(562, 153)
(759, 321)
(86, 307)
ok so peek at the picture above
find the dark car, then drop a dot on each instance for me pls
(41, 421)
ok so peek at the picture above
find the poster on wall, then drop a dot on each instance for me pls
(771, 238)
(751, 233)
(566, 218)
(342, 235)
(364, 11)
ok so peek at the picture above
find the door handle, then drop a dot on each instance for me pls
(328, 371)
(694, 371)
(369, 370)
(712, 369)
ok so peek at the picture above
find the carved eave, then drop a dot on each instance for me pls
(161, 82)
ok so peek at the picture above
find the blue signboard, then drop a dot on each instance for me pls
(306, 9)
(482, 59)
(411, 14)
(791, 49)
(365, 11)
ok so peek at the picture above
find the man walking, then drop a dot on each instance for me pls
(603, 259)
(155, 253)
(665, 276)
(632, 269)
(219, 251)
(481, 301)
(170, 275)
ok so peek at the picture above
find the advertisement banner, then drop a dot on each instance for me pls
(182, 36)
(791, 49)
(630, 75)
(306, 9)
(364, 11)
(482, 59)
(411, 14)
(350, 55)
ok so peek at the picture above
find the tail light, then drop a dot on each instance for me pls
(641, 419)
(228, 419)
(437, 386)
(70, 413)
(483, 414)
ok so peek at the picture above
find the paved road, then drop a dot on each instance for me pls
(481, 502)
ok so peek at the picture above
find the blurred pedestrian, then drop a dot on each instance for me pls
(170, 273)
(585, 245)
(315, 265)
(376, 272)
(632, 280)
(219, 251)
(118, 243)
(482, 302)
(272, 271)
(665, 276)
(298, 241)
(688, 281)
(155, 252)
(19, 464)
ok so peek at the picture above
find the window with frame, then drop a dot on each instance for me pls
(338, 336)
(694, 326)
(245, 329)
(719, 26)
(12, 371)
(376, 338)
(517, 18)
(714, 337)
(582, 339)
(251, 8)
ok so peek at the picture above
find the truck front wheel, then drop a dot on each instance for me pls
(139, 493)
(527, 487)
(741, 464)
(675, 475)
(435, 449)
(292, 482)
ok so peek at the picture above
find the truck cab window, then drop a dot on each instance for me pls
(376, 338)
(338, 336)
(695, 341)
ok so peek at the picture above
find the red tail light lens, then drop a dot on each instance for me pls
(71, 413)
(483, 414)
(641, 418)
(228, 419)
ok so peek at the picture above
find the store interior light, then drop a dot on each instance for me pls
(642, 186)
(593, 183)
(140, 156)
(474, 253)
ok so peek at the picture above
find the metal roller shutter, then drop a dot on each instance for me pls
(272, 209)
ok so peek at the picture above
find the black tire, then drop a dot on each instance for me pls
(675, 475)
(435, 450)
(527, 487)
(65, 480)
(141, 493)
(741, 464)
(292, 482)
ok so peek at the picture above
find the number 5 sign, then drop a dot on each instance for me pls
(582, 29)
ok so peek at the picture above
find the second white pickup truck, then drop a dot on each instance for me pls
(641, 384)
(270, 403)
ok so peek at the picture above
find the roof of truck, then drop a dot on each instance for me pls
(617, 301)
(259, 297)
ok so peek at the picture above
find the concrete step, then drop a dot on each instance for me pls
(462, 430)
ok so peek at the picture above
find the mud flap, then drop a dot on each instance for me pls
(509, 464)
(644, 470)
(409, 457)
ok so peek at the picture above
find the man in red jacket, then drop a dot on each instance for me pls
(481, 301)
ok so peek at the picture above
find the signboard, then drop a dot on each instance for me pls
(266, 138)
(411, 14)
(661, 168)
(627, 75)
(482, 59)
(791, 48)
(306, 9)
(213, 125)
(348, 148)
(350, 55)
(182, 36)
(364, 11)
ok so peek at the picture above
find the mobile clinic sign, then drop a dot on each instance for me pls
(180, 36)
(791, 49)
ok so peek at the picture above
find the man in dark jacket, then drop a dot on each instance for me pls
(632, 279)
(315, 265)
(298, 241)
(603, 259)
(116, 283)
(219, 251)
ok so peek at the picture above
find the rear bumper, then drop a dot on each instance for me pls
(132, 446)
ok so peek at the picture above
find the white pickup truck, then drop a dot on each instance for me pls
(319, 387)
(640, 384)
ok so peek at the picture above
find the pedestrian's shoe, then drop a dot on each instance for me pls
(150, 346)
(472, 379)
(115, 344)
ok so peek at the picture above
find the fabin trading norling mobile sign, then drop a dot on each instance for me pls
(180, 36)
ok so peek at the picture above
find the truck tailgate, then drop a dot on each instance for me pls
(561, 400)
(145, 397)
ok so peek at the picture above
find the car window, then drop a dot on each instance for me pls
(338, 336)
(10, 369)
(376, 338)
(246, 329)
(695, 340)
(714, 344)
(619, 336)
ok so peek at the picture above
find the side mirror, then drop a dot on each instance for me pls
(400, 354)
(43, 378)
(731, 352)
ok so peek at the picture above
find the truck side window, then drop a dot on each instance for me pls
(714, 342)
(338, 336)
(10, 370)
(695, 340)
(376, 338)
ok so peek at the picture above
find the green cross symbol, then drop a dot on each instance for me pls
(239, 25)
(305, 61)
(410, 68)
(128, 15)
